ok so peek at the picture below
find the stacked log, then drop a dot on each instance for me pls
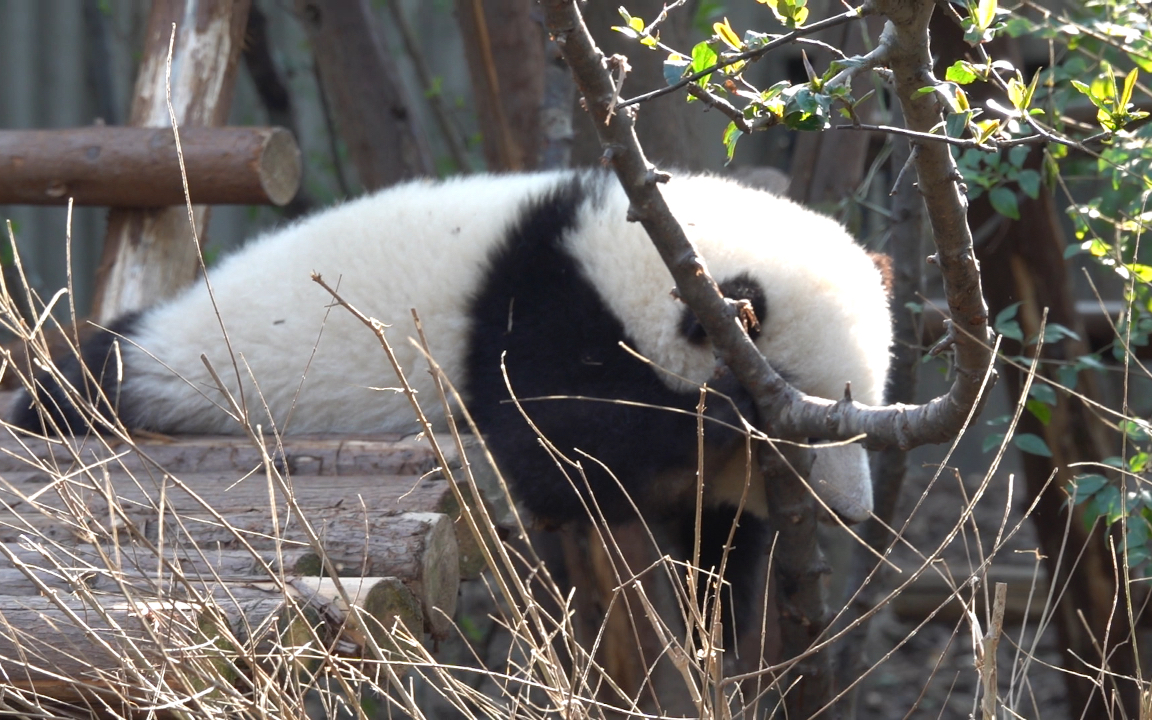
(214, 550)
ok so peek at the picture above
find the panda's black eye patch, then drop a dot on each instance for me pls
(741, 287)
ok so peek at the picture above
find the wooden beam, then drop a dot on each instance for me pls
(131, 167)
(149, 255)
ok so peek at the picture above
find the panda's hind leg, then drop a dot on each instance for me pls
(53, 410)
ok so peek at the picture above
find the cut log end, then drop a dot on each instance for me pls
(280, 167)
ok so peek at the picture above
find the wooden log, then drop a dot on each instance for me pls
(97, 568)
(150, 254)
(302, 454)
(143, 496)
(231, 577)
(68, 647)
(419, 548)
(130, 167)
(386, 604)
(370, 470)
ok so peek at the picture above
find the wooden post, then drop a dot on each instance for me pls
(150, 254)
(375, 118)
(126, 167)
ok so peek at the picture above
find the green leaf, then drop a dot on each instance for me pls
(1067, 376)
(806, 109)
(1040, 411)
(1088, 90)
(725, 32)
(1137, 556)
(1055, 332)
(1108, 504)
(1138, 462)
(988, 128)
(732, 135)
(1006, 326)
(1085, 486)
(1018, 154)
(626, 31)
(1137, 532)
(1007, 313)
(962, 72)
(1134, 430)
(985, 14)
(1129, 83)
(1090, 362)
(956, 123)
(1004, 202)
(1016, 93)
(1043, 393)
(991, 441)
(1032, 444)
(1029, 182)
(703, 57)
(675, 67)
(1032, 89)
(753, 39)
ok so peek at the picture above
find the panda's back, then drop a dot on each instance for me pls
(420, 245)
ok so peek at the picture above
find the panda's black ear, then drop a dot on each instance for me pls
(741, 287)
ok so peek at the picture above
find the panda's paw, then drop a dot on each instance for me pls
(851, 504)
(842, 481)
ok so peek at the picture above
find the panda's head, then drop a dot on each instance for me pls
(840, 473)
(821, 302)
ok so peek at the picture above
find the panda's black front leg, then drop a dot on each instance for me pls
(744, 567)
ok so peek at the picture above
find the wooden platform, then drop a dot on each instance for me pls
(177, 519)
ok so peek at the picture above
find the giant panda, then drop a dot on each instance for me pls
(542, 275)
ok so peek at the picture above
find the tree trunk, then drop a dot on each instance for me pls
(504, 48)
(151, 254)
(372, 110)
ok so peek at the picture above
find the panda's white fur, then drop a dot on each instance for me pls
(424, 245)
(433, 245)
